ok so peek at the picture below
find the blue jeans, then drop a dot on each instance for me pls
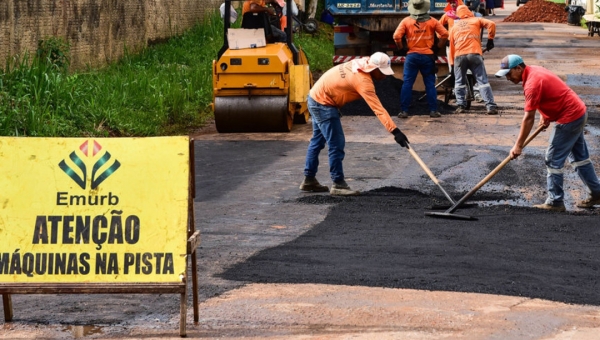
(473, 62)
(413, 64)
(278, 35)
(327, 128)
(567, 141)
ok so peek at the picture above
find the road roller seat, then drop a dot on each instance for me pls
(258, 20)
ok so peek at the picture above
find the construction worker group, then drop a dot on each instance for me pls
(347, 82)
(422, 36)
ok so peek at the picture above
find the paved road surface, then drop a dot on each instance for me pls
(276, 263)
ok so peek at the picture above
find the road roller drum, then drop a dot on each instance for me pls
(252, 114)
(263, 88)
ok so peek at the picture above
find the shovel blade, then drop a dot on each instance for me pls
(448, 206)
(450, 216)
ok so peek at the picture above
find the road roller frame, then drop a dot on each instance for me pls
(262, 89)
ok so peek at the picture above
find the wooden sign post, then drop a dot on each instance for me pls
(97, 216)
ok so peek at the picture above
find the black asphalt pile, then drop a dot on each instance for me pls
(384, 239)
(388, 90)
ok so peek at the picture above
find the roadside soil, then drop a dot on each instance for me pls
(275, 263)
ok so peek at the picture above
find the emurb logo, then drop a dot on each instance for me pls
(81, 179)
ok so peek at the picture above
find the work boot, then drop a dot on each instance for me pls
(461, 109)
(311, 184)
(492, 111)
(435, 114)
(589, 202)
(403, 114)
(552, 207)
(342, 189)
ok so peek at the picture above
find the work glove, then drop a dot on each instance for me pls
(490, 44)
(400, 138)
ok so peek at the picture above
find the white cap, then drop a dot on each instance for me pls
(381, 61)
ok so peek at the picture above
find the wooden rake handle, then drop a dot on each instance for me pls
(429, 173)
(493, 173)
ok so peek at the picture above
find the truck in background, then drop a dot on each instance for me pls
(363, 27)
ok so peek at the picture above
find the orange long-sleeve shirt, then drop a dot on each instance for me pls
(419, 35)
(445, 20)
(465, 34)
(248, 4)
(339, 86)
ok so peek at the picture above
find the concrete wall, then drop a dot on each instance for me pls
(97, 30)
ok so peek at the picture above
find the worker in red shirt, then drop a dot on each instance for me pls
(466, 54)
(547, 93)
(343, 84)
(420, 30)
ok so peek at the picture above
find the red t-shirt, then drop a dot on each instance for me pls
(546, 92)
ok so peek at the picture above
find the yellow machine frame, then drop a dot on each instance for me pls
(260, 89)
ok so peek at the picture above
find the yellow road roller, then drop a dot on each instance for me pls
(263, 88)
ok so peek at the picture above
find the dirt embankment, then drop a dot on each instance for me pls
(539, 11)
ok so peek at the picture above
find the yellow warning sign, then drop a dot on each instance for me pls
(76, 210)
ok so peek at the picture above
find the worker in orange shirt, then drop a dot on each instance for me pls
(420, 31)
(447, 20)
(257, 6)
(465, 53)
(342, 84)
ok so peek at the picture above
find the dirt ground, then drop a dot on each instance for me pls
(275, 263)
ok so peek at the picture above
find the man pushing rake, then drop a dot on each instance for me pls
(547, 93)
(556, 102)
